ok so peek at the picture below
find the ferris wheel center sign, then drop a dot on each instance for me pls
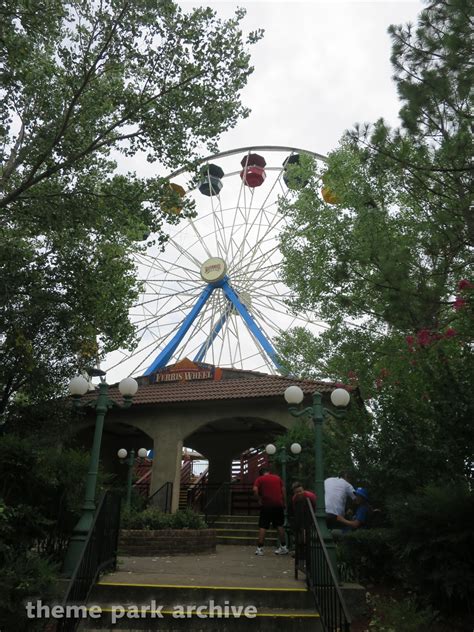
(213, 270)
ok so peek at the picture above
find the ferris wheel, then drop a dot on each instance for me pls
(215, 294)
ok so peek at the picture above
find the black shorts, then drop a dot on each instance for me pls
(271, 515)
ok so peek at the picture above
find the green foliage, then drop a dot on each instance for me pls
(435, 543)
(24, 574)
(82, 82)
(367, 555)
(43, 489)
(428, 548)
(390, 269)
(389, 266)
(153, 518)
(391, 615)
(302, 468)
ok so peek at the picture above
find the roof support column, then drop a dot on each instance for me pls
(167, 454)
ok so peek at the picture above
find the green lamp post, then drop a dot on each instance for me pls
(284, 457)
(78, 387)
(130, 462)
(339, 398)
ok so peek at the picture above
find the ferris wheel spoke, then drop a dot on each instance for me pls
(235, 215)
(172, 269)
(154, 319)
(259, 249)
(258, 263)
(263, 210)
(269, 236)
(238, 348)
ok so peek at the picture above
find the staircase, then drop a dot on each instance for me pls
(241, 530)
(248, 593)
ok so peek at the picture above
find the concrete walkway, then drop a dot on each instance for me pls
(229, 566)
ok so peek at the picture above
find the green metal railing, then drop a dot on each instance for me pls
(99, 554)
(312, 558)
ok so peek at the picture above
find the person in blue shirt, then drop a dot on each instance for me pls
(361, 515)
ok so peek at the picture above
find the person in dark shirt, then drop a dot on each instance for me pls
(361, 515)
(269, 490)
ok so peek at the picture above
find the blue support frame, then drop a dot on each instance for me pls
(199, 357)
(164, 356)
(251, 324)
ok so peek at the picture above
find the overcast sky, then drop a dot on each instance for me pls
(321, 67)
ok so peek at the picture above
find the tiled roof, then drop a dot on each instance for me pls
(250, 385)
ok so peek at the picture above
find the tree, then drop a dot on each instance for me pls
(83, 82)
(388, 263)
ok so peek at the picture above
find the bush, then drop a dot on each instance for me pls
(390, 615)
(434, 540)
(428, 549)
(24, 574)
(46, 486)
(366, 555)
(154, 519)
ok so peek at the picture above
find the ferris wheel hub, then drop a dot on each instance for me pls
(213, 270)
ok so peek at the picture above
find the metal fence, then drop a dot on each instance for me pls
(218, 503)
(312, 558)
(99, 554)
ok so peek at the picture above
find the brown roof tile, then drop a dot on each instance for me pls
(256, 386)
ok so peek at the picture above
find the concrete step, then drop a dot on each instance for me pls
(268, 621)
(245, 540)
(236, 524)
(130, 606)
(251, 520)
(108, 592)
(232, 529)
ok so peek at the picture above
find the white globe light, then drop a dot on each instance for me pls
(122, 453)
(294, 395)
(340, 397)
(142, 452)
(78, 385)
(295, 448)
(128, 387)
(270, 449)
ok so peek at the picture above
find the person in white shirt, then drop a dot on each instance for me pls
(337, 491)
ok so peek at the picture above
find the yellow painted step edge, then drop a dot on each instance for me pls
(242, 537)
(194, 586)
(291, 615)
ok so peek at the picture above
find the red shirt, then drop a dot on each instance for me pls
(270, 490)
(306, 494)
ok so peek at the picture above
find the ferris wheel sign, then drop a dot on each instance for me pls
(186, 371)
(213, 270)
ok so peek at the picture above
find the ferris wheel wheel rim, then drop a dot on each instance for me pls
(231, 152)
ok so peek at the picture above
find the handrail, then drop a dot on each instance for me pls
(162, 498)
(320, 575)
(142, 485)
(202, 477)
(197, 492)
(218, 504)
(99, 553)
(186, 472)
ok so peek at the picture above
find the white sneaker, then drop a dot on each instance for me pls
(281, 550)
(259, 550)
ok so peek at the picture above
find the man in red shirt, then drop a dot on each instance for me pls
(269, 490)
